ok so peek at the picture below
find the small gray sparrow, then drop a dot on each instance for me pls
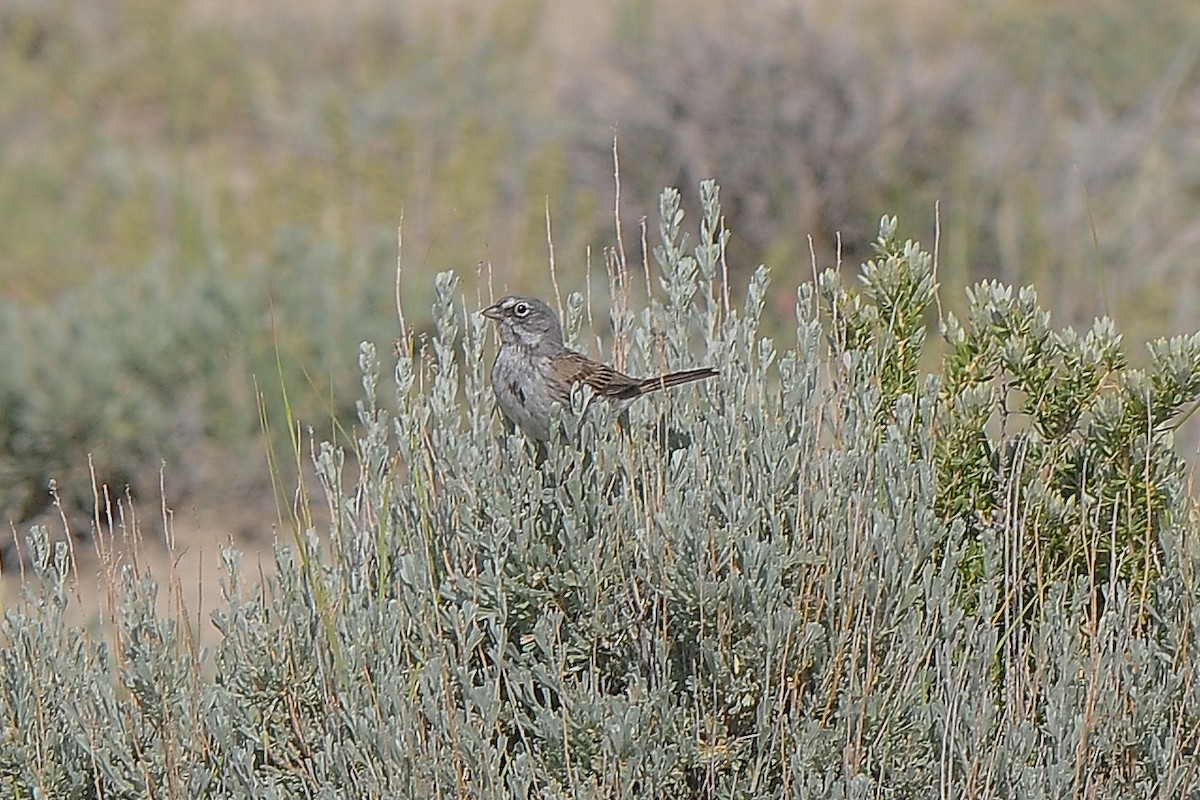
(534, 369)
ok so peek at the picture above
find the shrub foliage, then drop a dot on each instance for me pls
(802, 579)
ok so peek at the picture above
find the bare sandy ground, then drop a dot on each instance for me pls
(183, 558)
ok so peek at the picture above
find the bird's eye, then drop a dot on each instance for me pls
(521, 309)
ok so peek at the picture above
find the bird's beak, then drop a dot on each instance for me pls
(492, 312)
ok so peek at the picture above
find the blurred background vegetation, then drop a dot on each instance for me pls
(198, 198)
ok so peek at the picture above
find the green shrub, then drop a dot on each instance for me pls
(131, 376)
(1040, 433)
(766, 602)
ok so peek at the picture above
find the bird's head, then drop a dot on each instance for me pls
(526, 322)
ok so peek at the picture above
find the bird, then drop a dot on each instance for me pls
(534, 369)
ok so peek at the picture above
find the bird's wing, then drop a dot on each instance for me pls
(572, 368)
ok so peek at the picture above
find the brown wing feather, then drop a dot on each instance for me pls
(572, 368)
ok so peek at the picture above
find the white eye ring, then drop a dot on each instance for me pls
(521, 309)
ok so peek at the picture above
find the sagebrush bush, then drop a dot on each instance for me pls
(757, 587)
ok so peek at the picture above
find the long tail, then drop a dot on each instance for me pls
(673, 379)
